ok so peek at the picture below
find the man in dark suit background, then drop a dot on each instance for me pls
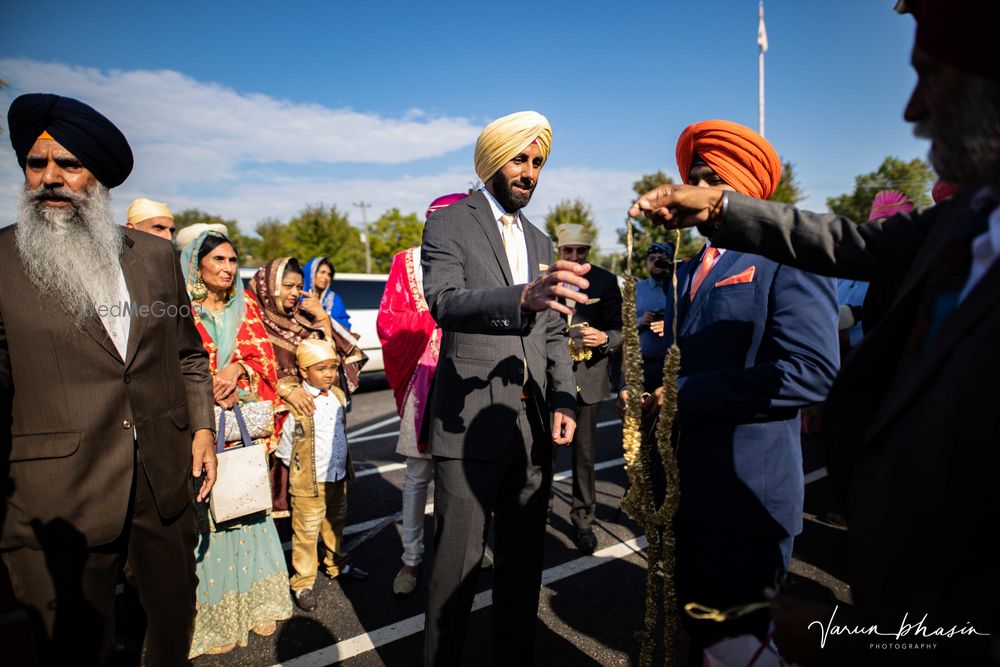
(596, 333)
(911, 424)
(105, 398)
(503, 352)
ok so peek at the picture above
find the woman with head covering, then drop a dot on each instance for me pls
(410, 344)
(242, 578)
(291, 315)
(318, 278)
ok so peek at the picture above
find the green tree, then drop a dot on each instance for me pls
(325, 232)
(247, 245)
(913, 179)
(392, 233)
(273, 240)
(789, 190)
(646, 232)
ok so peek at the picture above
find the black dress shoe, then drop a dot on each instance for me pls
(305, 599)
(586, 541)
(351, 573)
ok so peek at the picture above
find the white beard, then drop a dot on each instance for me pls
(71, 254)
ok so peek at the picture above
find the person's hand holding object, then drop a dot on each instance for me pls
(554, 283)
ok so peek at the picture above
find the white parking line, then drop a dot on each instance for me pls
(376, 425)
(379, 436)
(816, 475)
(369, 641)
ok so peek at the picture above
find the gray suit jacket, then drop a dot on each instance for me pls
(915, 447)
(69, 402)
(487, 339)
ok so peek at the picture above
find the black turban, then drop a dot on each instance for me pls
(82, 130)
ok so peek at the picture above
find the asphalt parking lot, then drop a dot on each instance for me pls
(591, 606)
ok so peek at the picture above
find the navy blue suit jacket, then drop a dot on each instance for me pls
(752, 353)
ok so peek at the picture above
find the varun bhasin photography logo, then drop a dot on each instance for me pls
(154, 309)
(918, 636)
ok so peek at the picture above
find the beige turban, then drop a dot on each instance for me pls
(191, 232)
(505, 137)
(311, 351)
(144, 209)
(570, 234)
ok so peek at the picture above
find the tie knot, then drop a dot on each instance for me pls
(507, 219)
(710, 252)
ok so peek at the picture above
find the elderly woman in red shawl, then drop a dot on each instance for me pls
(290, 315)
(410, 345)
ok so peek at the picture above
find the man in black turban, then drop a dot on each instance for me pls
(104, 387)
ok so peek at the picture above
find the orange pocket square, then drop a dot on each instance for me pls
(742, 277)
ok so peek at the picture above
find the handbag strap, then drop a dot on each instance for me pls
(220, 438)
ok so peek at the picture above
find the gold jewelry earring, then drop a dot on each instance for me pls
(199, 290)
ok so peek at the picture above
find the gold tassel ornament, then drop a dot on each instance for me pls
(639, 502)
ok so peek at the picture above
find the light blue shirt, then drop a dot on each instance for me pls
(852, 293)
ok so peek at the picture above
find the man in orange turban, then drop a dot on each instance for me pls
(758, 342)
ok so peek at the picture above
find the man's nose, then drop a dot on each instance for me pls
(52, 176)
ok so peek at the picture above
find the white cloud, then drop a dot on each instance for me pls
(187, 131)
(247, 156)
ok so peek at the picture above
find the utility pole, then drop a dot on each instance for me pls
(762, 49)
(364, 225)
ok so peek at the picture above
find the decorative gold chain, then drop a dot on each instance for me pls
(638, 502)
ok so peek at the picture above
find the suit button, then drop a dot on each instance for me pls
(126, 424)
(127, 378)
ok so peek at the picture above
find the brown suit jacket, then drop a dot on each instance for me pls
(915, 447)
(69, 402)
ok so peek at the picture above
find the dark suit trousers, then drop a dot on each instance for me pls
(584, 450)
(68, 589)
(515, 488)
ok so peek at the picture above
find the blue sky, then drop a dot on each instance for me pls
(255, 109)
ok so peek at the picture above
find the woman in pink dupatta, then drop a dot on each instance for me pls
(410, 345)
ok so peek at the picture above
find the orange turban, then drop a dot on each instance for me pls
(743, 159)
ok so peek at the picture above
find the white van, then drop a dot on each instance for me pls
(362, 294)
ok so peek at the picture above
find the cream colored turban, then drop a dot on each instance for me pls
(144, 209)
(311, 351)
(570, 234)
(505, 137)
(191, 232)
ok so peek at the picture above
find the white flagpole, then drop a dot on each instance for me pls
(762, 46)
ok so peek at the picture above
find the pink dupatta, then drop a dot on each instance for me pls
(411, 342)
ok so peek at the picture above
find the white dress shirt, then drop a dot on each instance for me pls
(116, 317)
(328, 433)
(985, 247)
(521, 276)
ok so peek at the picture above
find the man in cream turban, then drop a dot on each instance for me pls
(152, 217)
(503, 390)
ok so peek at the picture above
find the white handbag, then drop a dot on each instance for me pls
(242, 485)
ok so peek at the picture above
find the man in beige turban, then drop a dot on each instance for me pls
(503, 391)
(152, 217)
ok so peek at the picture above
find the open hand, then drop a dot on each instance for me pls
(554, 283)
(301, 401)
(675, 206)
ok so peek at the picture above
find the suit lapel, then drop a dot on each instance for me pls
(532, 246)
(482, 212)
(93, 326)
(723, 265)
(978, 304)
(138, 294)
